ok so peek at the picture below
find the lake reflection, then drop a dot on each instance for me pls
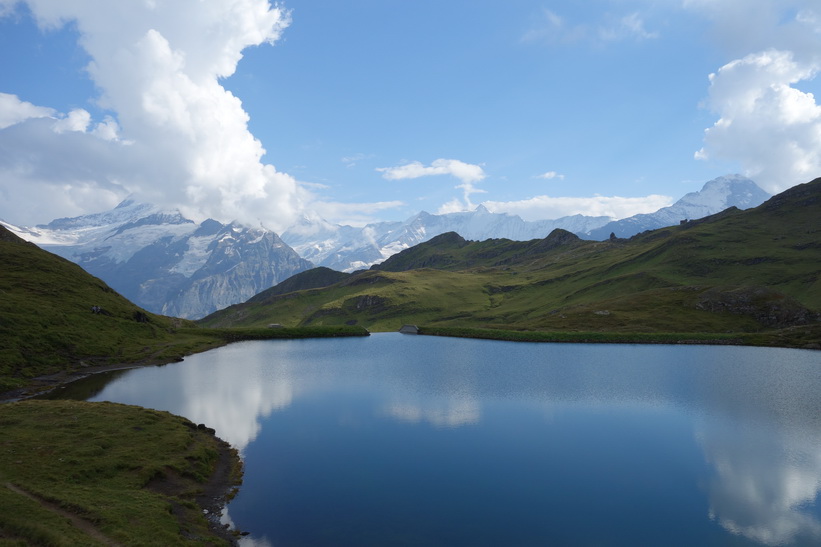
(407, 440)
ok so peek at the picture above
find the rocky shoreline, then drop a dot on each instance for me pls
(221, 487)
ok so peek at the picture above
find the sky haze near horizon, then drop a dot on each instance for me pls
(372, 110)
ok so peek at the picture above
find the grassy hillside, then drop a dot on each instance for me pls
(47, 323)
(739, 271)
(56, 317)
(309, 279)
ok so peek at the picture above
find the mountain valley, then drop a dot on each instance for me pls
(737, 271)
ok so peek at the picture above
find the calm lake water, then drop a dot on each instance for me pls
(413, 440)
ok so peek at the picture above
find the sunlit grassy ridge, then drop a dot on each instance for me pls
(738, 272)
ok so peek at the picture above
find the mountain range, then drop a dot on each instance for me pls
(348, 249)
(743, 272)
(173, 266)
(716, 195)
(168, 264)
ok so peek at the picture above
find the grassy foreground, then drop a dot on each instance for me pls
(78, 473)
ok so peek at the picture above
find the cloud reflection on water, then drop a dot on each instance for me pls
(436, 412)
(759, 426)
(764, 482)
(760, 430)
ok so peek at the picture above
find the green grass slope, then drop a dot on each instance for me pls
(309, 279)
(47, 323)
(450, 251)
(77, 473)
(739, 272)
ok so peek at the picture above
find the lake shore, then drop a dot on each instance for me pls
(208, 339)
(806, 337)
(42, 385)
(212, 491)
(215, 492)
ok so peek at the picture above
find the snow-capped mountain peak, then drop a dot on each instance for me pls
(723, 192)
(169, 264)
(127, 211)
(346, 248)
(715, 196)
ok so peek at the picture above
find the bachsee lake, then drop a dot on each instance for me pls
(414, 440)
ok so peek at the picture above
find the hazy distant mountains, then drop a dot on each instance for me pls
(170, 265)
(347, 249)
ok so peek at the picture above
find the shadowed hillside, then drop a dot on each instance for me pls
(54, 316)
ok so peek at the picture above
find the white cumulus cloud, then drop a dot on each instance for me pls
(766, 122)
(14, 111)
(465, 172)
(76, 120)
(183, 138)
(469, 174)
(771, 127)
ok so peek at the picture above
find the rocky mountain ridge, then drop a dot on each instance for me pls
(166, 263)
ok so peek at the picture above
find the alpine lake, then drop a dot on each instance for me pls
(395, 439)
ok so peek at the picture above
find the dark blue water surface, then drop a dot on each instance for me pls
(411, 440)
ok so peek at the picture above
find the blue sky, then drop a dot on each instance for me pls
(367, 110)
